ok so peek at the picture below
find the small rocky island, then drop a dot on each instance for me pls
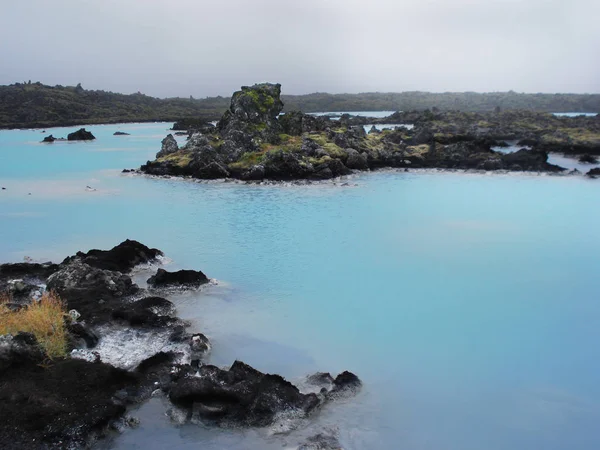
(253, 141)
(112, 344)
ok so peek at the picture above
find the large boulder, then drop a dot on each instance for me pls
(80, 135)
(168, 146)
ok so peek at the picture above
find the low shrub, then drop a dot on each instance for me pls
(44, 318)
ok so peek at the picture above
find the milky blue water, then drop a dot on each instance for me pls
(467, 303)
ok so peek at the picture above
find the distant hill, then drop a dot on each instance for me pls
(31, 105)
(462, 101)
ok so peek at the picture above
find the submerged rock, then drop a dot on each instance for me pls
(49, 139)
(183, 278)
(80, 135)
(120, 133)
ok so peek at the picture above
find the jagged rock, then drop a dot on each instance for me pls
(374, 129)
(49, 139)
(80, 135)
(168, 146)
(254, 110)
(356, 160)
(91, 291)
(196, 142)
(241, 395)
(184, 278)
(121, 258)
(346, 383)
(199, 347)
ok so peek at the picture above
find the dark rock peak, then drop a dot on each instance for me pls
(80, 135)
(169, 145)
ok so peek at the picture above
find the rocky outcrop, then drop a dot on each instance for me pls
(81, 135)
(254, 111)
(49, 138)
(253, 142)
(121, 133)
(241, 396)
(121, 258)
(181, 278)
(63, 402)
(168, 146)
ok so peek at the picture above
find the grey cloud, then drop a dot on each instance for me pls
(184, 47)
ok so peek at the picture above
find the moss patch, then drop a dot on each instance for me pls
(181, 158)
(334, 150)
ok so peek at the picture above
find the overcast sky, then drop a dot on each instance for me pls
(204, 48)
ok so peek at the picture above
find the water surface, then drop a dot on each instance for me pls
(467, 303)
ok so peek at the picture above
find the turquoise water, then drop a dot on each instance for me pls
(467, 303)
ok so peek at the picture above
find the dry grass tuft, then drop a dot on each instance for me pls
(45, 319)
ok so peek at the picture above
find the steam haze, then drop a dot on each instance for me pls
(189, 47)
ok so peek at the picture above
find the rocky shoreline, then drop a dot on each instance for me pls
(125, 345)
(253, 141)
